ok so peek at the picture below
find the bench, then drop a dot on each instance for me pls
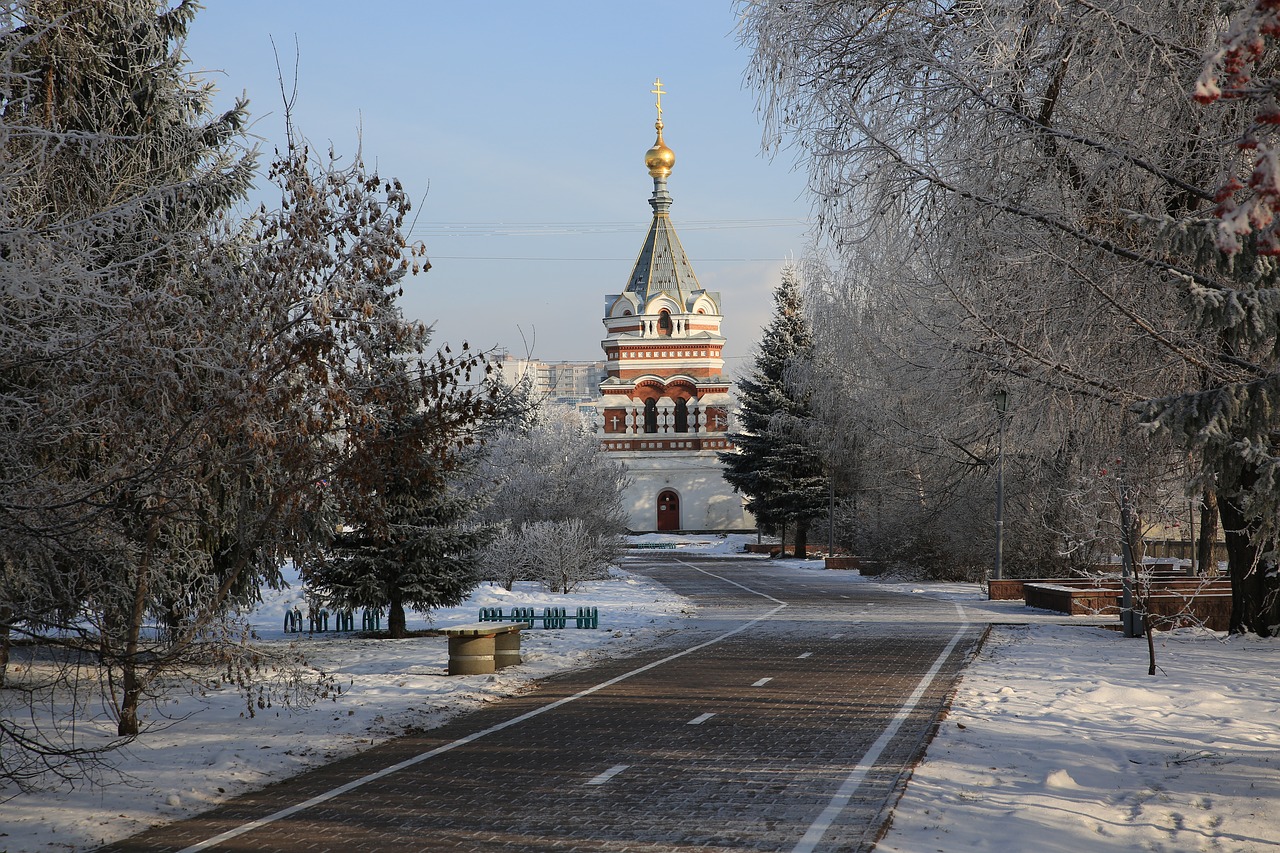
(483, 648)
(551, 617)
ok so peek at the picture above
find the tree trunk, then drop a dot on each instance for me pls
(1255, 597)
(132, 684)
(131, 695)
(1205, 558)
(397, 628)
(6, 614)
(802, 538)
(1137, 544)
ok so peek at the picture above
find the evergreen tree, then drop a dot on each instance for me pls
(1230, 421)
(177, 383)
(116, 172)
(781, 475)
(418, 550)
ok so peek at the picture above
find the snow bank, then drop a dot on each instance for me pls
(1058, 740)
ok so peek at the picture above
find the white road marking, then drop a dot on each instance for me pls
(474, 736)
(805, 655)
(837, 636)
(700, 719)
(608, 774)
(819, 827)
(739, 586)
(762, 682)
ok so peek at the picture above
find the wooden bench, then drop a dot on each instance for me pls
(483, 647)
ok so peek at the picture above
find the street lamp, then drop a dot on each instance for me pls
(1002, 406)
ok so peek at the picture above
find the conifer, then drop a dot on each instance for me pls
(782, 476)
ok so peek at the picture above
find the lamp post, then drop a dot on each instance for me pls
(1002, 406)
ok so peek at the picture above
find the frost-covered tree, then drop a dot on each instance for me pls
(1234, 288)
(1030, 168)
(550, 469)
(116, 172)
(907, 464)
(565, 553)
(178, 386)
(114, 166)
(782, 473)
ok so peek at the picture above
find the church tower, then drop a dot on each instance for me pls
(664, 404)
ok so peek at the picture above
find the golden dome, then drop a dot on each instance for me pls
(659, 158)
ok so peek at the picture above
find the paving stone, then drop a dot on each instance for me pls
(753, 776)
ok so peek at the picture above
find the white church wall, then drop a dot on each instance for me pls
(707, 502)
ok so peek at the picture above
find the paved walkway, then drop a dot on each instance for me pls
(782, 718)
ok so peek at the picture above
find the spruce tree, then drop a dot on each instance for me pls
(117, 168)
(1233, 285)
(179, 383)
(416, 547)
(782, 476)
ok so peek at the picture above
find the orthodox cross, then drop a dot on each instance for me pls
(615, 423)
(719, 421)
(657, 90)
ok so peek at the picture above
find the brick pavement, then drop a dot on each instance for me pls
(738, 745)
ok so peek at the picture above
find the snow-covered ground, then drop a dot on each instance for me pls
(1058, 740)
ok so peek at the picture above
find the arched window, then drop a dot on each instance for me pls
(682, 416)
(650, 415)
(664, 322)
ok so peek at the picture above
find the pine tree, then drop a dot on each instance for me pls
(419, 549)
(781, 475)
(1234, 288)
(177, 383)
(116, 170)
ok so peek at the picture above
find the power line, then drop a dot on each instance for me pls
(433, 257)
(545, 229)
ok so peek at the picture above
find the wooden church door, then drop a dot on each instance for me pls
(668, 510)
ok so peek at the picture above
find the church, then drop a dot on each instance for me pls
(664, 404)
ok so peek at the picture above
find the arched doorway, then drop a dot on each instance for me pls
(668, 510)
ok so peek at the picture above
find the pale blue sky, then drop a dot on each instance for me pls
(526, 124)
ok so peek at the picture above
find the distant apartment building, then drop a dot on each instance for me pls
(569, 382)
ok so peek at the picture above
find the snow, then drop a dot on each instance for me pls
(1057, 739)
